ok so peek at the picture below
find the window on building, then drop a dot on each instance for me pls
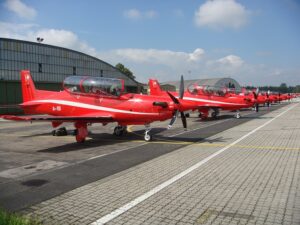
(101, 73)
(40, 68)
(74, 70)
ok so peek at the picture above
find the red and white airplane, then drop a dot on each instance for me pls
(205, 98)
(86, 100)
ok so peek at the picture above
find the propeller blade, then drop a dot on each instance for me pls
(181, 89)
(173, 119)
(183, 119)
(255, 94)
(256, 107)
(175, 100)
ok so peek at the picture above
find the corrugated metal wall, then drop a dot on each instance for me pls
(11, 94)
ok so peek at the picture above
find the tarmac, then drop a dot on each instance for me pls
(227, 171)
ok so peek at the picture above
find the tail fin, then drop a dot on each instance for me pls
(154, 87)
(28, 88)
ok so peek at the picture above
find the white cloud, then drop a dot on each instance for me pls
(219, 14)
(231, 60)
(155, 56)
(165, 65)
(21, 9)
(135, 14)
(150, 14)
(30, 32)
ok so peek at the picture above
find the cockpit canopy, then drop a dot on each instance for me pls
(196, 89)
(94, 86)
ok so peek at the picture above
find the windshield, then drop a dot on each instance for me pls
(94, 85)
(196, 89)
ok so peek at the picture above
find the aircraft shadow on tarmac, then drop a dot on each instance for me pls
(104, 139)
(95, 140)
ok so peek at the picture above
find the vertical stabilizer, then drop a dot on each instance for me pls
(154, 87)
(28, 88)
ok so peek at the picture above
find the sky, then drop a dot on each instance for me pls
(255, 42)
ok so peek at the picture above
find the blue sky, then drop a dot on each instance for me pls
(256, 42)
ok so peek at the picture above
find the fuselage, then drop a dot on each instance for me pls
(125, 109)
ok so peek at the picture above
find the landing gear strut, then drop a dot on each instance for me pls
(81, 132)
(238, 115)
(120, 130)
(148, 136)
(215, 113)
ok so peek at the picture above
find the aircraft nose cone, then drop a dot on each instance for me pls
(254, 100)
(172, 106)
(185, 106)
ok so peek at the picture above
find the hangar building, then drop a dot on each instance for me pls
(49, 65)
(215, 82)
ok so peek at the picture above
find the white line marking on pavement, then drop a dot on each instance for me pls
(158, 188)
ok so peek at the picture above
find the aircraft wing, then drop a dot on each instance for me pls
(209, 107)
(89, 118)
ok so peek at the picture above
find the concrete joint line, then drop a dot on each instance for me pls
(136, 201)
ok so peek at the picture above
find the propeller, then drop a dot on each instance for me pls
(255, 93)
(177, 102)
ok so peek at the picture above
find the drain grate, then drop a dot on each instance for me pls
(34, 182)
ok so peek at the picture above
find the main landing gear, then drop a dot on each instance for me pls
(215, 113)
(80, 132)
(120, 130)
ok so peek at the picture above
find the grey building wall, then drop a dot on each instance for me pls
(49, 66)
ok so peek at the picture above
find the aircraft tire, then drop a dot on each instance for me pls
(148, 137)
(214, 115)
(118, 132)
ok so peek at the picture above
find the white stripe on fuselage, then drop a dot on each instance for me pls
(211, 101)
(89, 106)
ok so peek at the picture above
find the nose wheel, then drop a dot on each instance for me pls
(237, 115)
(148, 136)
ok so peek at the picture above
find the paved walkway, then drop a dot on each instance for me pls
(249, 174)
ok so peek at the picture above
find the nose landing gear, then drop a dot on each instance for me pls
(237, 115)
(148, 136)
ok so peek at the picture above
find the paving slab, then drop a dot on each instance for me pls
(249, 174)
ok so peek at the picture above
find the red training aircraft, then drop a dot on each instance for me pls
(86, 100)
(206, 98)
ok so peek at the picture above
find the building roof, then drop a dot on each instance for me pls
(71, 50)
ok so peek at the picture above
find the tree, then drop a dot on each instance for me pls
(283, 88)
(125, 70)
